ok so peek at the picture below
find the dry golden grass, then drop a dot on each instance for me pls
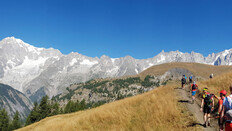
(218, 83)
(154, 110)
(197, 69)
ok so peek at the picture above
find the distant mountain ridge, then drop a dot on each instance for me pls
(39, 71)
(13, 100)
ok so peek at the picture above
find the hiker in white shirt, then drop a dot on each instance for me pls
(227, 111)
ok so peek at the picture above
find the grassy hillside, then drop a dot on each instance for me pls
(157, 109)
(197, 69)
(218, 83)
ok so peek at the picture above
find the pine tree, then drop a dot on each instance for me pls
(82, 105)
(4, 120)
(44, 108)
(70, 107)
(40, 111)
(34, 115)
(77, 106)
(61, 111)
(55, 109)
(15, 124)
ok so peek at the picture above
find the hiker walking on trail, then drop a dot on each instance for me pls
(194, 88)
(211, 76)
(207, 105)
(226, 114)
(220, 104)
(183, 82)
(191, 79)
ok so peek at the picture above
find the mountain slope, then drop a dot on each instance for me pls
(141, 112)
(108, 90)
(218, 83)
(35, 71)
(197, 69)
(13, 100)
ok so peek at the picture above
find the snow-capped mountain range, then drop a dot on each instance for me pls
(39, 71)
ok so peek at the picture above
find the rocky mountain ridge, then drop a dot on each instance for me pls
(39, 71)
(13, 100)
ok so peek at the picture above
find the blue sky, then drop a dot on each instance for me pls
(140, 28)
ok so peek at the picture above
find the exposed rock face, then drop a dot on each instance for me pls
(13, 100)
(35, 71)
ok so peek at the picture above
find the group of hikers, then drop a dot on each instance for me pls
(223, 111)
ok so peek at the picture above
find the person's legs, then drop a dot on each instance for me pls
(193, 96)
(209, 111)
(221, 127)
(192, 99)
(208, 119)
(205, 119)
(205, 115)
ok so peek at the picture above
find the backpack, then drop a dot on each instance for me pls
(228, 110)
(183, 80)
(194, 87)
(190, 77)
(208, 99)
(210, 76)
(228, 114)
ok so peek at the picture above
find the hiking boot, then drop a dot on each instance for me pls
(204, 125)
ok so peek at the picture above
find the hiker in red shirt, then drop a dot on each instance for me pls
(194, 88)
(220, 104)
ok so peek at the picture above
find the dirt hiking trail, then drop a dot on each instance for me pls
(185, 98)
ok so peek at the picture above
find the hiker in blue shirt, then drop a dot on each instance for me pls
(190, 79)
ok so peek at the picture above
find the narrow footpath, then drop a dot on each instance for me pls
(185, 98)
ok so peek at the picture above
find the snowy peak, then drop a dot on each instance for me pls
(226, 52)
(222, 58)
(12, 38)
(21, 62)
(17, 42)
(15, 45)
